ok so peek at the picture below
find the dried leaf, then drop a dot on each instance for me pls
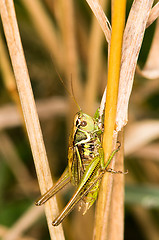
(9, 116)
(139, 134)
(132, 41)
(153, 15)
(23, 223)
(101, 17)
(151, 68)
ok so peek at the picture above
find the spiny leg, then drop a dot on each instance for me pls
(110, 170)
(109, 160)
(103, 165)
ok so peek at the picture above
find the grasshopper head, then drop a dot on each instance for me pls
(84, 122)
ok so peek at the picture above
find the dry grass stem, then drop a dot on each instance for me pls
(45, 29)
(8, 76)
(82, 37)
(102, 211)
(101, 17)
(24, 222)
(132, 40)
(104, 201)
(144, 92)
(29, 110)
(47, 109)
(53, 8)
(70, 49)
(153, 15)
(8, 151)
(116, 217)
(153, 175)
(151, 68)
(147, 152)
(4, 230)
(94, 63)
(146, 222)
(9, 80)
(140, 134)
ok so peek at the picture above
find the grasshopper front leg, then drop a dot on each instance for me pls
(103, 165)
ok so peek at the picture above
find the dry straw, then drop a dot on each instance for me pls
(29, 110)
(101, 230)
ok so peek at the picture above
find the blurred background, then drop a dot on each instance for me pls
(63, 37)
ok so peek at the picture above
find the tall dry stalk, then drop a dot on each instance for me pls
(29, 110)
(118, 20)
(95, 60)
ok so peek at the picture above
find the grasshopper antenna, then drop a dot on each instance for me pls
(73, 96)
(69, 93)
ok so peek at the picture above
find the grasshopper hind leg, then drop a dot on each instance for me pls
(62, 182)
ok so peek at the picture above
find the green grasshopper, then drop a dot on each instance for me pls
(85, 165)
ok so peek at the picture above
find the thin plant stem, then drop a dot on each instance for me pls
(71, 58)
(116, 215)
(31, 215)
(153, 15)
(21, 173)
(8, 77)
(101, 17)
(47, 108)
(46, 30)
(118, 21)
(29, 110)
(94, 63)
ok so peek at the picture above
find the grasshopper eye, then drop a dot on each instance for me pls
(83, 123)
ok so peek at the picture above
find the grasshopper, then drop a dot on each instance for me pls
(85, 165)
